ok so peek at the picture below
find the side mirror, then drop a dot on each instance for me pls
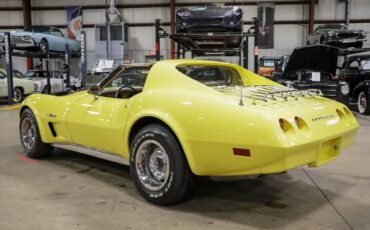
(94, 89)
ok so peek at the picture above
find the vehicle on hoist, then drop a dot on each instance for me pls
(339, 35)
(209, 18)
(41, 38)
(171, 124)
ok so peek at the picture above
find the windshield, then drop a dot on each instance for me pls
(101, 64)
(31, 74)
(334, 27)
(285, 61)
(212, 75)
(129, 76)
(365, 64)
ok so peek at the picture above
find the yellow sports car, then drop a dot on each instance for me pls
(177, 119)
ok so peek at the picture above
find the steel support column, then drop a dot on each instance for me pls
(27, 21)
(311, 16)
(172, 10)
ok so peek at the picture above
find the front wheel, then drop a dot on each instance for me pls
(30, 136)
(363, 103)
(158, 166)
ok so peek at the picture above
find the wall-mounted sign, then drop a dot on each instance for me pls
(74, 21)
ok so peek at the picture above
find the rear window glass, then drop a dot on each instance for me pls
(212, 75)
(268, 63)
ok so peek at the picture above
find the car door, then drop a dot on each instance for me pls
(3, 85)
(351, 73)
(57, 40)
(99, 121)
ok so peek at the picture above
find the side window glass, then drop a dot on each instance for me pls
(353, 65)
(365, 64)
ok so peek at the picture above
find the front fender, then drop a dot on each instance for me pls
(362, 86)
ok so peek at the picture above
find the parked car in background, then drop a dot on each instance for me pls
(21, 87)
(209, 18)
(280, 67)
(356, 72)
(267, 65)
(169, 126)
(314, 67)
(338, 35)
(57, 81)
(41, 38)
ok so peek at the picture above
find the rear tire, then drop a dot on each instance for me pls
(363, 103)
(158, 166)
(31, 138)
(44, 46)
(18, 94)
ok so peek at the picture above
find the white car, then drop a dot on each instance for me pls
(22, 87)
(57, 81)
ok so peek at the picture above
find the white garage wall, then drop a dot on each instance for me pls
(141, 39)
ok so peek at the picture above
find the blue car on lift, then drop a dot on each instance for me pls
(41, 38)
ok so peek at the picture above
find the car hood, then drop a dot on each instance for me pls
(344, 31)
(21, 33)
(211, 11)
(318, 58)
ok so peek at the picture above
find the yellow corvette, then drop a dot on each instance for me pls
(180, 118)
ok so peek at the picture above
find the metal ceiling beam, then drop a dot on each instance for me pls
(153, 5)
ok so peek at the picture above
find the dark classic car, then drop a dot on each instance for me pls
(338, 35)
(314, 67)
(211, 17)
(356, 71)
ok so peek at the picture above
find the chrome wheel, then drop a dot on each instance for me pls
(28, 133)
(361, 102)
(17, 94)
(152, 165)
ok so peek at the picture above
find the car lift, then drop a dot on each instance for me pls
(9, 53)
(192, 42)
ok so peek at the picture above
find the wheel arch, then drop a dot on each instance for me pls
(362, 86)
(39, 124)
(152, 119)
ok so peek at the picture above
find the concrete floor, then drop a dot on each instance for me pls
(73, 191)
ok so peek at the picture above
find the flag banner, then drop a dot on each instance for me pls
(266, 15)
(74, 21)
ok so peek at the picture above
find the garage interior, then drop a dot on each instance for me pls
(69, 190)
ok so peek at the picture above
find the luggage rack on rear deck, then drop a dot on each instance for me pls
(265, 93)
